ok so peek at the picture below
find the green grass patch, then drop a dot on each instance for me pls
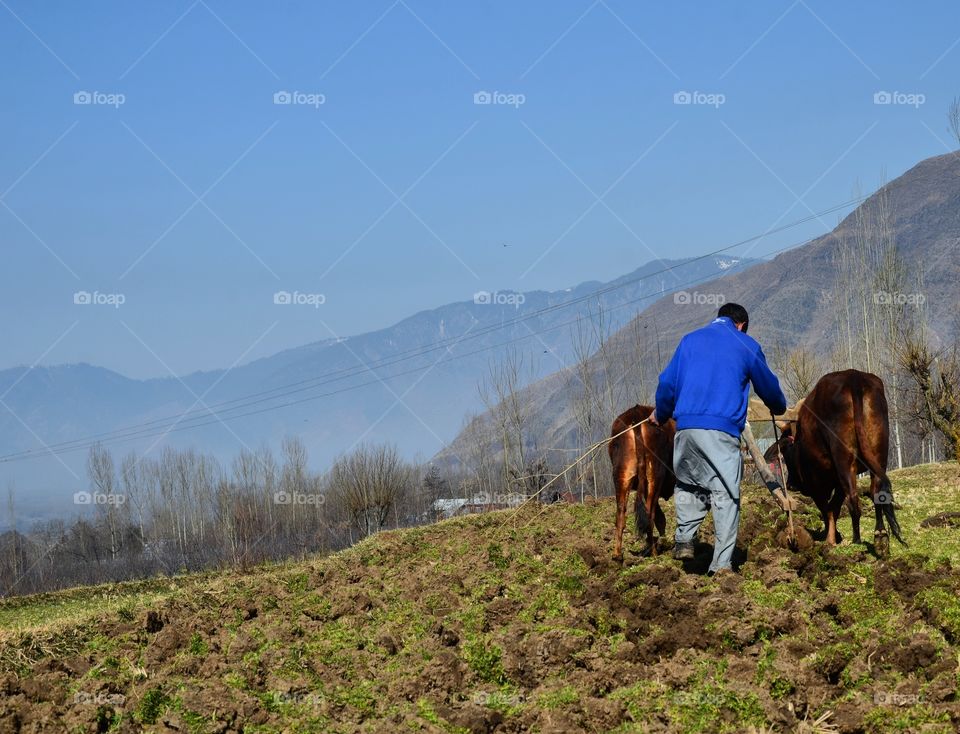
(486, 660)
(153, 704)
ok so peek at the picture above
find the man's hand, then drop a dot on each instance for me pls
(653, 418)
(786, 504)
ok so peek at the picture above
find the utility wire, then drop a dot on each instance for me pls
(183, 422)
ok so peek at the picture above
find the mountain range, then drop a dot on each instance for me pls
(381, 386)
(792, 299)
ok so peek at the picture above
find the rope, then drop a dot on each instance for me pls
(584, 455)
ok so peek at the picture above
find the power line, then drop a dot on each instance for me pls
(180, 422)
(421, 350)
(141, 430)
(343, 373)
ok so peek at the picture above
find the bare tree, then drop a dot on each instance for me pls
(106, 499)
(16, 562)
(136, 483)
(799, 369)
(434, 486)
(953, 117)
(596, 386)
(500, 392)
(367, 483)
(480, 453)
(937, 377)
(873, 302)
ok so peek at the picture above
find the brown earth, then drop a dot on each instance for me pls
(512, 623)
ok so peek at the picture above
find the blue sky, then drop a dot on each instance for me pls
(398, 191)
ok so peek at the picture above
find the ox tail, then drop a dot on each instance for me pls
(640, 517)
(884, 497)
(624, 458)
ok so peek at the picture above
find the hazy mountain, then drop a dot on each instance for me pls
(790, 298)
(341, 401)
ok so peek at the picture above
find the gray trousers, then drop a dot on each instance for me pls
(709, 469)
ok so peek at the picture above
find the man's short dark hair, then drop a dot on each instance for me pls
(736, 313)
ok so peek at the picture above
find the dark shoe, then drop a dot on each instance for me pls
(721, 573)
(683, 551)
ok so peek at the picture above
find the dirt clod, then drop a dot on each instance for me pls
(471, 626)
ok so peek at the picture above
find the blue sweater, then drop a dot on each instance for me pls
(707, 383)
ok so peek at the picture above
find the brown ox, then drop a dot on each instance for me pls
(842, 429)
(642, 459)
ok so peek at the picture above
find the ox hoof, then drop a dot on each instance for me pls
(881, 544)
(618, 558)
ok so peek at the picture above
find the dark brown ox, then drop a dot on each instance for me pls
(842, 429)
(642, 460)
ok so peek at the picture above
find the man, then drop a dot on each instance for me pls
(706, 387)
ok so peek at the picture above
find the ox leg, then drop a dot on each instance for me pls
(648, 493)
(622, 483)
(661, 521)
(845, 488)
(853, 502)
(824, 508)
(831, 523)
(834, 505)
(653, 504)
(881, 540)
(830, 510)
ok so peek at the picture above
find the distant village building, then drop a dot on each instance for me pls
(446, 508)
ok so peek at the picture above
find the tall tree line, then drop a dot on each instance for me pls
(183, 511)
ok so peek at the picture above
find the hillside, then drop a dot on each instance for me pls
(514, 622)
(790, 298)
(48, 405)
